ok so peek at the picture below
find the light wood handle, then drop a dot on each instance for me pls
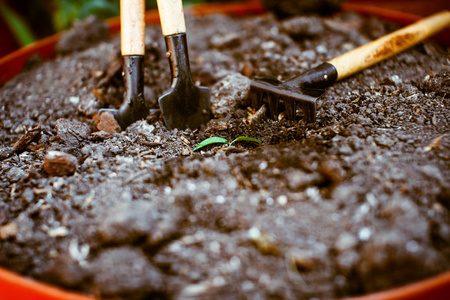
(132, 27)
(172, 16)
(388, 45)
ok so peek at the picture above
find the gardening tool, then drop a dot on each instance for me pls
(132, 35)
(306, 88)
(185, 105)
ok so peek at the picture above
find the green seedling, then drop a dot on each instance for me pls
(220, 140)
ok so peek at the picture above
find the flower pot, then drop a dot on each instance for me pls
(13, 286)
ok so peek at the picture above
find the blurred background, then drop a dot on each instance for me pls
(23, 22)
(26, 21)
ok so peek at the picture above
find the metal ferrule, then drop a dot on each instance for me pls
(320, 77)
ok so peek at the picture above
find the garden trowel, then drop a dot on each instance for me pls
(306, 88)
(132, 35)
(185, 105)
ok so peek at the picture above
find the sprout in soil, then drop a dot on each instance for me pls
(220, 140)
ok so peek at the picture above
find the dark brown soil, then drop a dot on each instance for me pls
(354, 203)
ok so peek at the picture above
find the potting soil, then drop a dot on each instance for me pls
(354, 203)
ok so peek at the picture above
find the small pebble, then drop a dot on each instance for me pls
(58, 232)
(254, 233)
(8, 231)
(309, 55)
(412, 246)
(230, 39)
(220, 199)
(186, 152)
(74, 100)
(345, 242)
(364, 233)
(303, 25)
(282, 200)
(396, 79)
(321, 49)
(247, 286)
(58, 163)
(15, 174)
(87, 105)
(107, 123)
(263, 165)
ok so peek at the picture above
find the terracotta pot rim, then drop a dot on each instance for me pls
(14, 286)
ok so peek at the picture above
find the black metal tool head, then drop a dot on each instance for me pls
(185, 105)
(301, 91)
(273, 92)
(133, 107)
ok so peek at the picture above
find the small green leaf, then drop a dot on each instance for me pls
(100, 8)
(19, 27)
(246, 138)
(212, 140)
(66, 13)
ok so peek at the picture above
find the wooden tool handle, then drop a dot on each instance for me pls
(388, 45)
(172, 17)
(132, 27)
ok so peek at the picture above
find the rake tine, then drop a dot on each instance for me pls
(275, 91)
(291, 107)
(256, 98)
(309, 110)
(273, 105)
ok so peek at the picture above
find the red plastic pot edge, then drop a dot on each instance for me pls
(16, 287)
(415, 7)
(402, 18)
(12, 64)
(434, 288)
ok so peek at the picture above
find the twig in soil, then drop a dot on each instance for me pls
(256, 117)
(30, 136)
(150, 144)
(435, 143)
(184, 140)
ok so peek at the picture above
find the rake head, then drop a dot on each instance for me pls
(274, 91)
